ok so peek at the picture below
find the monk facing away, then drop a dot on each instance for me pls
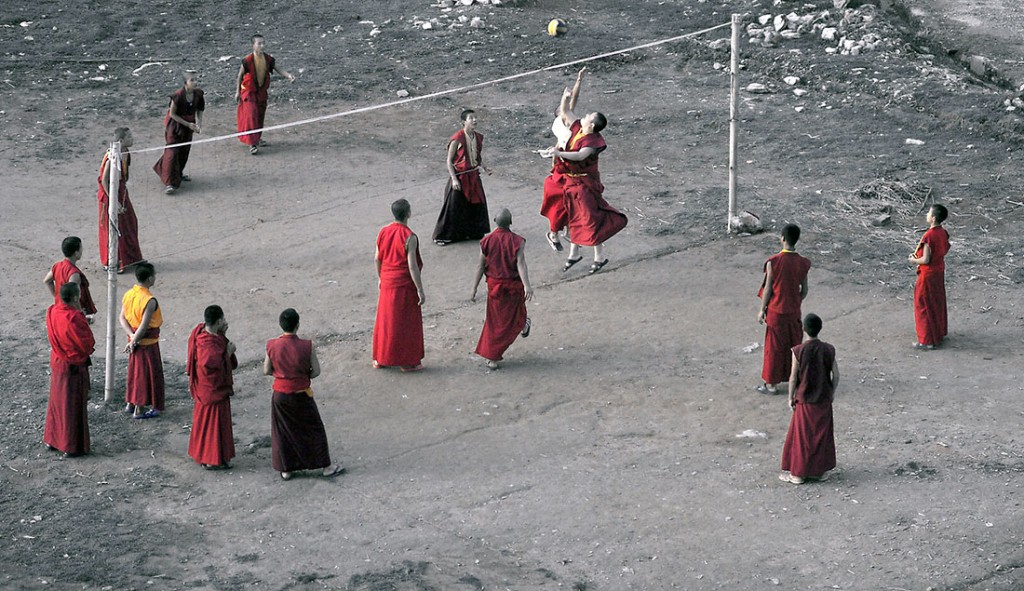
(503, 260)
(67, 271)
(298, 440)
(71, 344)
(783, 288)
(398, 328)
(141, 319)
(810, 448)
(209, 362)
(930, 288)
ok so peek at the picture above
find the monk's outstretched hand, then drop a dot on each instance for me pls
(528, 293)
(423, 298)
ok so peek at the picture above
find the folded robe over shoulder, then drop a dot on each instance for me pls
(71, 344)
(209, 368)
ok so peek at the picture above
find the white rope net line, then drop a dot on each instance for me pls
(404, 101)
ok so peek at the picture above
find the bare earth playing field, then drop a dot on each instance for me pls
(606, 453)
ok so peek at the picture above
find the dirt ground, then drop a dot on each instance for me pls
(608, 452)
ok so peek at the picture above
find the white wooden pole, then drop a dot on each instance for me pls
(113, 204)
(734, 77)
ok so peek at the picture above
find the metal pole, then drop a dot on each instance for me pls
(734, 77)
(113, 204)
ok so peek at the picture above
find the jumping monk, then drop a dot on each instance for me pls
(209, 363)
(810, 448)
(128, 251)
(508, 289)
(930, 289)
(67, 271)
(398, 330)
(464, 212)
(591, 220)
(553, 204)
(141, 319)
(251, 92)
(71, 344)
(298, 440)
(783, 288)
(184, 118)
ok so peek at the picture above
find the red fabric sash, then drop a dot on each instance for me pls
(70, 337)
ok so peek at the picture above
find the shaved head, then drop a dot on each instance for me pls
(504, 218)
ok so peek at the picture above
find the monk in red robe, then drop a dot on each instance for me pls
(592, 221)
(71, 344)
(398, 330)
(67, 271)
(209, 363)
(503, 260)
(251, 87)
(141, 318)
(464, 212)
(783, 289)
(184, 118)
(810, 448)
(298, 440)
(553, 204)
(128, 251)
(930, 289)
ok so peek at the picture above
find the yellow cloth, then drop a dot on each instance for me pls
(134, 306)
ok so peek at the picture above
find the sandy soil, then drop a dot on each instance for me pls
(605, 454)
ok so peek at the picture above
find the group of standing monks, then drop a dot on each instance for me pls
(574, 206)
(810, 367)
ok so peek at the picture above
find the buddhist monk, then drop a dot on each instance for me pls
(503, 260)
(209, 363)
(71, 344)
(810, 448)
(553, 204)
(464, 212)
(184, 118)
(298, 440)
(251, 87)
(67, 271)
(128, 251)
(592, 221)
(930, 289)
(398, 330)
(141, 318)
(783, 288)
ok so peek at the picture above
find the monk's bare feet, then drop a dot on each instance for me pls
(787, 477)
(129, 409)
(333, 470)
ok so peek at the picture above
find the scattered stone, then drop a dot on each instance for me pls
(829, 33)
(720, 44)
(912, 142)
(764, 19)
(791, 80)
(752, 434)
(476, 23)
(746, 222)
(402, 93)
(780, 22)
(757, 88)
(882, 220)
(799, 91)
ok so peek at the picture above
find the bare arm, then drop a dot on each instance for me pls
(576, 89)
(172, 112)
(576, 156)
(925, 258)
(803, 288)
(453, 148)
(284, 73)
(481, 265)
(377, 263)
(238, 82)
(411, 248)
(835, 375)
(199, 121)
(766, 293)
(268, 367)
(565, 111)
(524, 273)
(314, 363)
(49, 283)
(794, 381)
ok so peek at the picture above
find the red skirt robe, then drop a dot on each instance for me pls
(810, 448)
(128, 250)
(252, 106)
(506, 299)
(71, 342)
(783, 328)
(930, 319)
(398, 329)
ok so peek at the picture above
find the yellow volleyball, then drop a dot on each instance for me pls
(556, 27)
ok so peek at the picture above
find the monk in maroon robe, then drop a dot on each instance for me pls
(141, 319)
(184, 118)
(128, 251)
(810, 448)
(66, 271)
(298, 440)
(209, 363)
(930, 289)
(783, 289)
(464, 212)
(553, 204)
(251, 87)
(398, 329)
(71, 344)
(591, 219)
(503, 260)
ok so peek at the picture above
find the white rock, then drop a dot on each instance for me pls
(477, 22)
(427, 26)
(831, 49)
(791, 80)
(463, 18)
(799, 91)
(402, 93)
(752, 434)
(466, 2)
(829, 33)
(757, 88)
(446, 3)
(912, 142)
(495, 2)
(764, 19)
(374, 32)
(799, 109)
(718, 65)
(780, 22)
(718, 44)
(790, 34)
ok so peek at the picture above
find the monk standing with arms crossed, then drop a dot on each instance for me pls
(251, 87)
(783, 289)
